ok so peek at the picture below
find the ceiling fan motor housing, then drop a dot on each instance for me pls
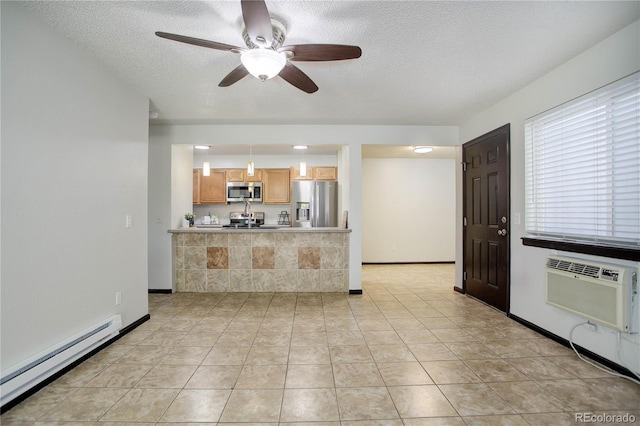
(279, 34)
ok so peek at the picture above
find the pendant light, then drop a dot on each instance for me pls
(206, 169)
(250, 167)
(303, 164)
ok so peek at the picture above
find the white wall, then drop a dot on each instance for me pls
(181, 183)
(159, 204)
(611, 59)
(74, 139)
(408, 210)
(351, 137)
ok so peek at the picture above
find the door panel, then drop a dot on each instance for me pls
(486, 211)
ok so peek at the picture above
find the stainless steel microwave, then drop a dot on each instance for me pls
(241, 191)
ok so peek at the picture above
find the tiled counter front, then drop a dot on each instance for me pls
(261, 260)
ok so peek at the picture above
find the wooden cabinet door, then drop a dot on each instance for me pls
(213, 188)
(236, 175)
(240, 175)
(325, 173)
(277, 186)
(196, 185)
(295, 173)
(257, 176)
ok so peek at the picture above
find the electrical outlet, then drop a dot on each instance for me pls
(118, 297)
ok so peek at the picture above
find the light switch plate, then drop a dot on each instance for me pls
(128, 221)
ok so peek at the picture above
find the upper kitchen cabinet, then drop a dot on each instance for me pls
(325, 173)
(213, 188)
(240, 175)
(315, 173)
(295, 173)
(277, 186)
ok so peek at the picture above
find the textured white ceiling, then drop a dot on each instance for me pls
(423, 62)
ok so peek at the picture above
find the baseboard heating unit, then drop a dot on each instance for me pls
(38, 368)
(596, 291)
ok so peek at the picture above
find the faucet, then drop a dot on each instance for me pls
(247, 212)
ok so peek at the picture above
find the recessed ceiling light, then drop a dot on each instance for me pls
(300, 147)
(422, 149)
(201, 147)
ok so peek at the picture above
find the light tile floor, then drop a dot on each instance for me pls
(408, 351)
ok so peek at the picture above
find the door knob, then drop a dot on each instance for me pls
(502, 232)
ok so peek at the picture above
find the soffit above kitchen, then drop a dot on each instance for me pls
(423, 62)
(368, 151)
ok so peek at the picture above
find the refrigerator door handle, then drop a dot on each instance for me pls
(315, 201)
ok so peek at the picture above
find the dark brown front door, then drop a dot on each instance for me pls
(486, 218)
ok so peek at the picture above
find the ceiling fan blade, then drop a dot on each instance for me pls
(296, 77)
(257, 21)
(200, 42)
(234, 76)
(322, 52)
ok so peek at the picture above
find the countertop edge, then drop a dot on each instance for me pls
(254, 230)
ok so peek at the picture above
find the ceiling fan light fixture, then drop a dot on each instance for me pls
(263, 63)
(422, 149)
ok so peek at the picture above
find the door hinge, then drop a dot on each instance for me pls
(464, 276)
(464, 221)
(464, 166)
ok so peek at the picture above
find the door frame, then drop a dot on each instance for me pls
(465, 146)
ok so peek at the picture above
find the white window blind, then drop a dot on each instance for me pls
(582, 165)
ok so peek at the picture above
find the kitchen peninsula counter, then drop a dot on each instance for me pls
(260, 259)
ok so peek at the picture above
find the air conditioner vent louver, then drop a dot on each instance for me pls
(574, 267)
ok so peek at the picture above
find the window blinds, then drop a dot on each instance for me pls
(582, 167)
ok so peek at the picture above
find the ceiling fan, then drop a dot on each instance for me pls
(265, 56)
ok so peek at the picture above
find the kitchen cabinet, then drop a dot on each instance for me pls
(315, 173)
(257, 176)
(240, 175)
(325, 173)
(213, 188)
(295, 173)
(196, 185)
(276, 186)
(236, 175)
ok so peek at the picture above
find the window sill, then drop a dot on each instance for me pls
(593, 249)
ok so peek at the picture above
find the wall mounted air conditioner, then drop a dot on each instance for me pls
(596, 291)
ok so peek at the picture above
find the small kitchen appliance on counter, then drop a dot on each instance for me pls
(242, 219)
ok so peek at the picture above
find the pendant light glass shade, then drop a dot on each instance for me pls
(206, 169)
(303, 168)
(263, 63)
(250, 167)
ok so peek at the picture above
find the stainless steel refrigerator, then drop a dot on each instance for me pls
(314, 203)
